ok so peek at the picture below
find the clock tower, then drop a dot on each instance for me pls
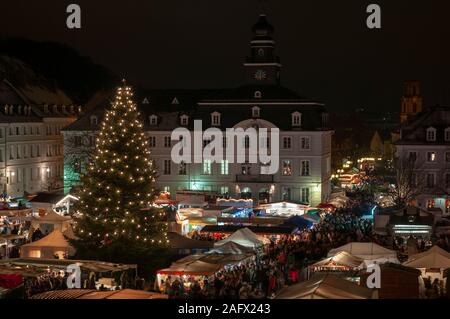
(262, 67)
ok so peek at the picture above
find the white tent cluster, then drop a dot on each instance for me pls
(244, 237)
(370, 253)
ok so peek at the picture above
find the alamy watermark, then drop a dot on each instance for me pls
(235, 145)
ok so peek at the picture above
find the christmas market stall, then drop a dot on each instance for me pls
(369, 252)
(125, 294)
(327, 286)
(60, 203)
(51, 221)
(54, 245)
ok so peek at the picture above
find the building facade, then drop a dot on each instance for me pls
(261, 102)
(412, 102)
(425, 141)
(31, 144)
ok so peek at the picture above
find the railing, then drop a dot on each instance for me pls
(254, 179)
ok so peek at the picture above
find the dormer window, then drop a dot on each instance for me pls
(296, 119)
(146, 101)
(184, 119)
(258, 95)
(447, 134)
(215, 119)
(153, 120)
(175, 101)
(256, 111)
(431, 134)
(94, 120)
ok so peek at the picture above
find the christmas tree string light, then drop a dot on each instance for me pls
(119, 185)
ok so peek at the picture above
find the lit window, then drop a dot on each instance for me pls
(94, 120)
(447, 134)
(224, 167)
(184, 120)
(431, 157)
(224, 190)
(182, 169)
(287, 168)
(207, 167)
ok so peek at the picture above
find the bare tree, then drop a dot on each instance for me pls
(408, 184)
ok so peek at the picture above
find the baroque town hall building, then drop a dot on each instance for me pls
(261, 102)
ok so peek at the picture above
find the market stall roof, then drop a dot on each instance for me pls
(231, 248)
(282, 230)
(435, 257)
(51, 198)
(95, 294)
(178, 241)
(367, 251)
(326, 286)
(244, 237)
(341, 259)
(35, 265)
(52, 217)
(54, 239)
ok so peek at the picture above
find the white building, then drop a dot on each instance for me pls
(31, 144)
(425, 140)
(261, 102)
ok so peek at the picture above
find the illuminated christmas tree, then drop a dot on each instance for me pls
(114, 218)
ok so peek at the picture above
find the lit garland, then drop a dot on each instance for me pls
(118, 187)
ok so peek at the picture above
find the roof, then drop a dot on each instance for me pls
(52, 217)
(256, 229)
(341, 259)
(435, 257)
(366, 251)
(54, 239)
(52, 198)
(231, 248)
(326, 286)
(244, 237)
(414, 132)
(95, 294)
(236, 104)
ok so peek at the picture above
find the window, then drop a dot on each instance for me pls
(1, 133)
(287, 143)
(431, 134)
(166, 189)
(224, 190)
(286, 193)
(215, 119)
(447, 134)
(287, 168)
(152, 141)
(296, 119)
(247, 142)
(246, 169)
(447, 157)
(167, 141)
(447, 180)
(304, 198)
(258, 94)
(17, 130)
(167, 167)
(182, 169)
(94, 120)
(305, 171)
(431, 180)
(38, 150)
(412, 156)
(431, 156)
(1, 156)
(255, 111)
(153, 120)
(224, 167)
(38, 130)
(184, 120)
(207, 167)
(34, 254)
(305, 143)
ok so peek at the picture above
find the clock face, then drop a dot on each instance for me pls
(260, 75)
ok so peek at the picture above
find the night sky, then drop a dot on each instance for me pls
(325, 47)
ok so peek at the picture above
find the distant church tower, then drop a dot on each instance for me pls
(262, 66)
(411, 101)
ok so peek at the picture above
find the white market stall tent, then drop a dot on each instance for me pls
(48, 247)
(342, 261)
(231, 248)
(50, 222)
(244, 237)
(327, 286)
(432, 263)
(369, 252)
